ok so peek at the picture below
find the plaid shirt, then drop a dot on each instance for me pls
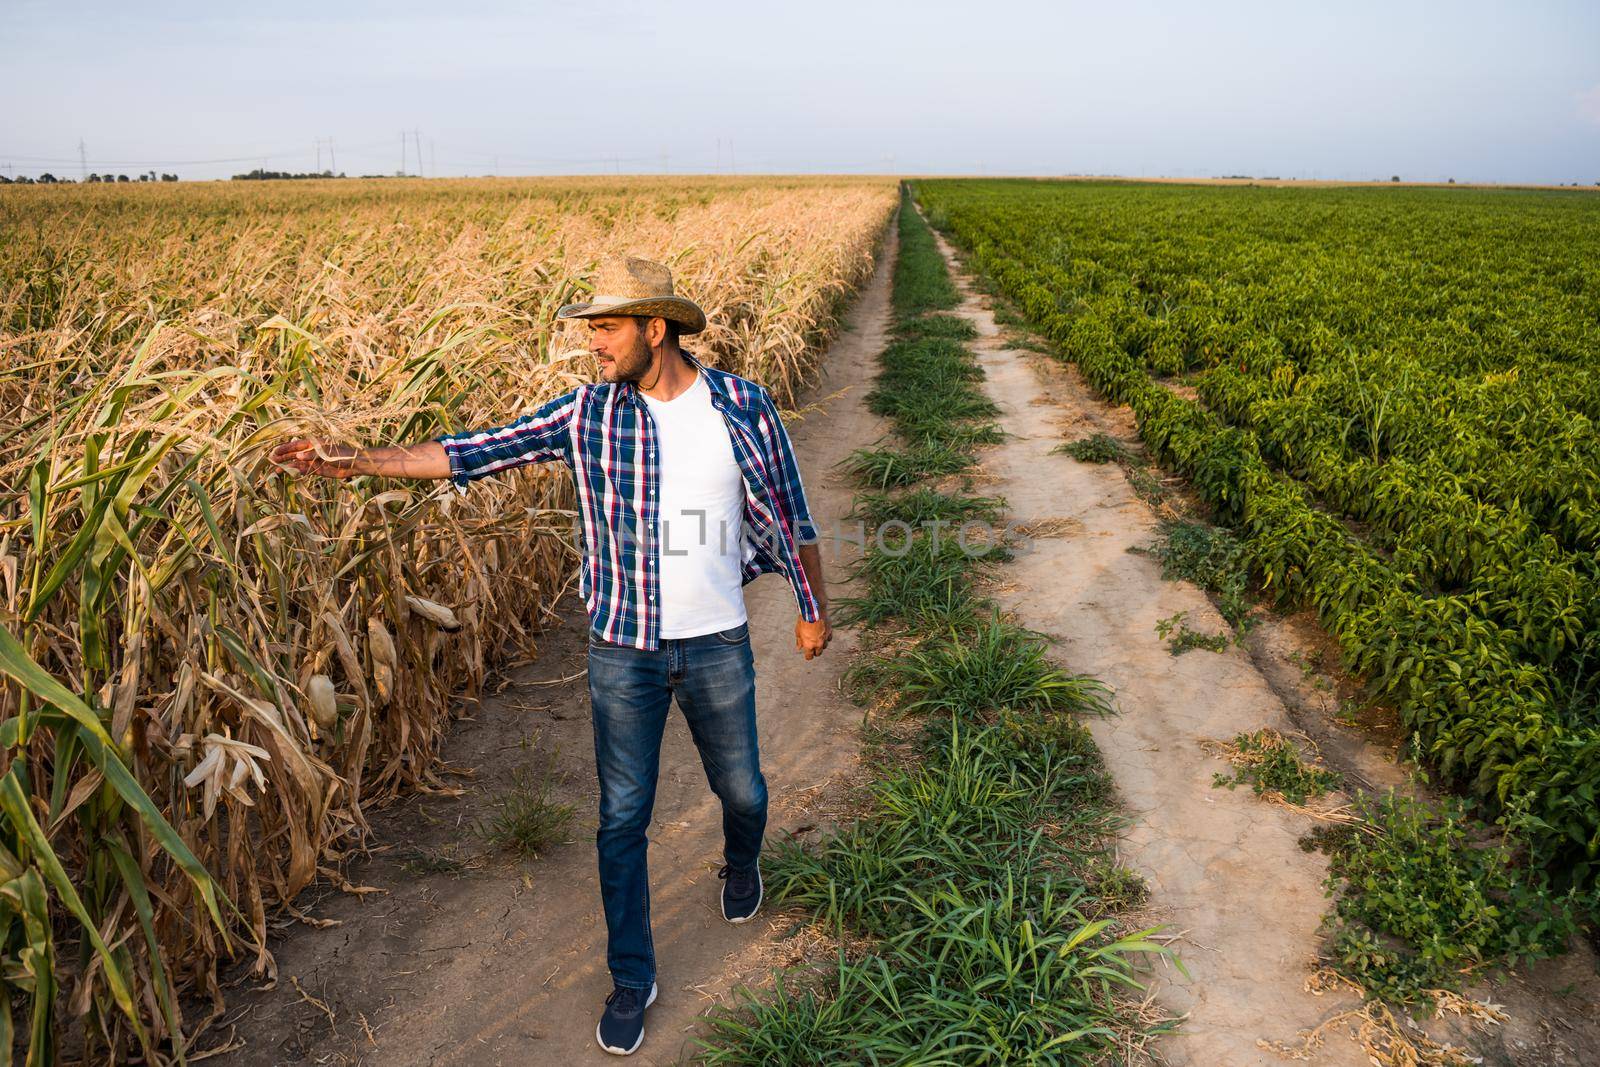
(604, 432)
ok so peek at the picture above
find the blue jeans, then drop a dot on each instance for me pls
(713, 677)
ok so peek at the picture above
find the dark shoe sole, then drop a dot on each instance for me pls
(760, 896)
(651, 999)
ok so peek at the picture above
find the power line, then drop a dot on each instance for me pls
(153, 162)
(498, 157)
(457, 155)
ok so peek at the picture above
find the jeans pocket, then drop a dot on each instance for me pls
(735, 636)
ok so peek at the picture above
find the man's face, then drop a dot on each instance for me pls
(620, 345)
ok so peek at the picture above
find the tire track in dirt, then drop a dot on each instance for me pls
(505, 964)
(1224, 870)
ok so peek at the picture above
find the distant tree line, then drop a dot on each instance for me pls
(50, 179)
(259, 175)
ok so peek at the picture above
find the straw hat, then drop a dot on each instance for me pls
(628, 285)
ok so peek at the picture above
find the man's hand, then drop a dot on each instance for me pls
(327, 458)
(812, 637)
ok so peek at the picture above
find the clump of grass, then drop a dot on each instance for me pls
(930, 589)
(1273, 766)
(420, 859)
(925, 507)
(1115, 886)
(994, 666)
(922, 578)
(951, 326)
(894, 468)
(524, 820)
(849, 1016)
(1430, 898)
(1096, 448)
(929, 388)
(1006, 314)
(1032, 344)
(1180, 638)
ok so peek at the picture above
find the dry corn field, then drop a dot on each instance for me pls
(211, 670)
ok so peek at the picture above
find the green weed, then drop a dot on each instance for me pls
(1210, 557)
(1180, 638)
(1271, 763)
(523, 819)
(1096, 448)
(1431, 898)
(419, 859)
(1147, 486)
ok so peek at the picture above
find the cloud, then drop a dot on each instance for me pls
(1589, 105)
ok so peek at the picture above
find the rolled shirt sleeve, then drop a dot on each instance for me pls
(786, 480)
(544, 434)
(791, 499)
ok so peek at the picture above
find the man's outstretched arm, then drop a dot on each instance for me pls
(332, 460)
(534, 438)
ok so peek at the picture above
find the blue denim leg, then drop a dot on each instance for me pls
(628, 698)
(714, 679)
(630, 691)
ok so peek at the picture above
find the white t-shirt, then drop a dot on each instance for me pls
(701, 513)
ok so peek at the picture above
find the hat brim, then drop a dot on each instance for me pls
(686, 313)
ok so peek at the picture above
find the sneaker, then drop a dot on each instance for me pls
(621, 1028)
(741, 892)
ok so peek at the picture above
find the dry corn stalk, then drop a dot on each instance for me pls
(148, 362)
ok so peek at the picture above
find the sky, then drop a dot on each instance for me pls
(1497, 92)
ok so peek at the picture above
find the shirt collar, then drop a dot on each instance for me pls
(632, 392)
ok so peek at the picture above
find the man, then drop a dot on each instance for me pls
(687, 490)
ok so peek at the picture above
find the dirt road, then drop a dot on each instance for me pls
(500, 963)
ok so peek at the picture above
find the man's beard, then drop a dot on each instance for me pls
(638, 362)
